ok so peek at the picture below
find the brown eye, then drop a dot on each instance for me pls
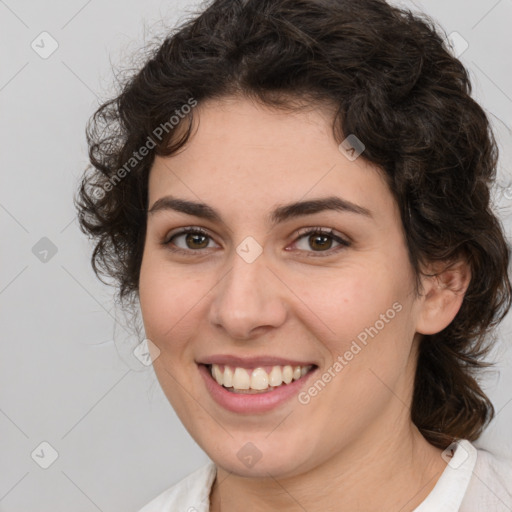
(188, 240)
(319, 240)
(196, 241)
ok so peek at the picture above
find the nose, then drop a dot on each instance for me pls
(248, 300)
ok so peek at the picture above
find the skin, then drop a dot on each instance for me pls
(353, 446)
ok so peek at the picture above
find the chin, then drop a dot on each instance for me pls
(258, 457)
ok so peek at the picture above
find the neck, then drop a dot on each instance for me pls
(395, 473)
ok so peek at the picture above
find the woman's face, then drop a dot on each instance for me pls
(255, 290)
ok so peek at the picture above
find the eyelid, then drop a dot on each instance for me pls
(185, 230)
(342, 240)
(301, 233)
(166, 242)
(320, 229)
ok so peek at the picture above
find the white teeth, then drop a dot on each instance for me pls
(287, 374)
(257, 379)
(276, 376)
(217, 375)
(241, 379)
(228, 377)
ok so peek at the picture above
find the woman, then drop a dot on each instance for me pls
(297, 194)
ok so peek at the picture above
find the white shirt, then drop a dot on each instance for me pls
(474, 480)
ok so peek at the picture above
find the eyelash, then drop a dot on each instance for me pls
(303, 233)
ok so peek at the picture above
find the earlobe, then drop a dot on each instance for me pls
(444, 288)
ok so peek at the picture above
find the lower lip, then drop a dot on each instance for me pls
(251, 403)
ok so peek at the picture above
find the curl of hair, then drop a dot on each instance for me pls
(389, 79)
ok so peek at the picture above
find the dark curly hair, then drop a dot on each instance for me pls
(388, 77)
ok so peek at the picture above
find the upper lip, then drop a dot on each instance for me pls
(252, 362)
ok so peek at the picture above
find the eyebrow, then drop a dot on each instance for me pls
(278, 215)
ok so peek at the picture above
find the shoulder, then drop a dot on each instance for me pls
(189, 495)
(490, 487)
(474, 480)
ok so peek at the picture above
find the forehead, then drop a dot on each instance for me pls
(246, 155)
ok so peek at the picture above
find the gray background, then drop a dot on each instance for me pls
(64, 380)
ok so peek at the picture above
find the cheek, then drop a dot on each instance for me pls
(368, 337)
(346, 302)
(169, 301)
(369, 333)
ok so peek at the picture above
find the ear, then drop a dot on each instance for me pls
(444, 287)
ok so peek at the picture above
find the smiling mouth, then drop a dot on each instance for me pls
(257, 380)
